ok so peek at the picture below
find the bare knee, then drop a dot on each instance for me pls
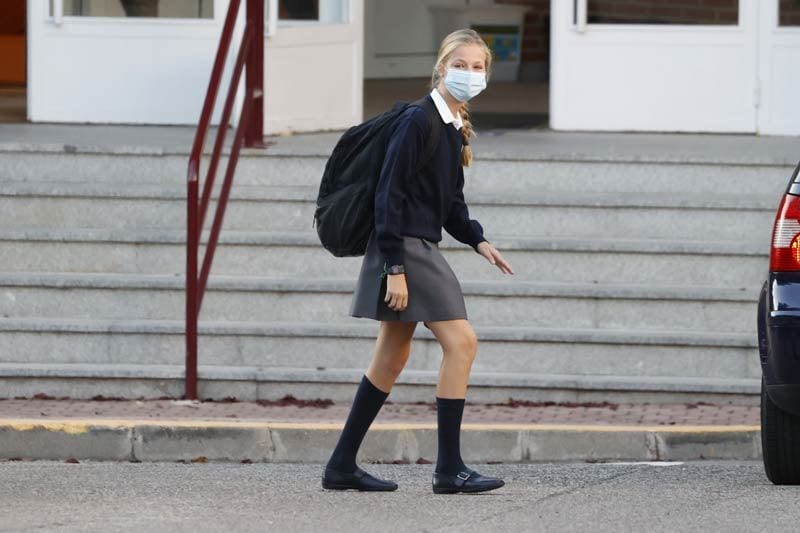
(463, 346)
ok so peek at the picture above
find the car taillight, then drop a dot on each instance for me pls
(785, 253)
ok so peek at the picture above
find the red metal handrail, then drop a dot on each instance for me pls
(249, 132)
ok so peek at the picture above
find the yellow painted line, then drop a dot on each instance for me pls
(71, 427)
(76, 426)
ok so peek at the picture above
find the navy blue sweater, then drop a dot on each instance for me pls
(421, 205)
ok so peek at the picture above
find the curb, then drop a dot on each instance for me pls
(140, 440)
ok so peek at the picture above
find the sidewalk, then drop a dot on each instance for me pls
(289, 430)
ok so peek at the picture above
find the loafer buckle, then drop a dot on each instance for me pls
(463, 475)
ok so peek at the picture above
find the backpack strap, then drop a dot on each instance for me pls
(436, 127)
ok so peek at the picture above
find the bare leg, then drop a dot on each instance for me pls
(459, 346)
(392, 349)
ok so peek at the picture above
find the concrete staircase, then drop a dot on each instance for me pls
(635, 280)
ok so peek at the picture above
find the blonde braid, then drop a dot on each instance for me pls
(466, 133)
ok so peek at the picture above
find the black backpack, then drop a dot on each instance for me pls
(344, 216)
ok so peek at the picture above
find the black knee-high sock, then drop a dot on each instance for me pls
(449, 414)
(366, 404)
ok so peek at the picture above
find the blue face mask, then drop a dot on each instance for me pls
(464, 84)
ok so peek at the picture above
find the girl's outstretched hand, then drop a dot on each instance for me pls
(487, 250)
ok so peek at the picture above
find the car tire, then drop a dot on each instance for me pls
(780, 442)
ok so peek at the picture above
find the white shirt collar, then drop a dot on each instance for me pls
(444, 110)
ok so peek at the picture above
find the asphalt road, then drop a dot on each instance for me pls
(107, 496)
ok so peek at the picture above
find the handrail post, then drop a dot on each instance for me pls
(192, 307)
(254, 75)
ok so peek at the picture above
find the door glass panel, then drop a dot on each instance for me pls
(312, 11)
(191, 9)
(713, 12)
(789, 13)
(298, 9)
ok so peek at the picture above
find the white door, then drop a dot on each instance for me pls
(779, 68)
(121, 61)
(313, 65)
(655, 66)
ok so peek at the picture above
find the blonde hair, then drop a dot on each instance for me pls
(446, 49)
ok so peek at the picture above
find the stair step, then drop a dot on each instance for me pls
(123, 296)
(294, 254)
(503, 349)
(511, 172)
(307, 193)
(104, 280)
(528, 145)
(587, 215)
(338, 384)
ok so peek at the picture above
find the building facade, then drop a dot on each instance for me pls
(609, 65)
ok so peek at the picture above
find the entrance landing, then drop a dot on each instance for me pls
(520, 144)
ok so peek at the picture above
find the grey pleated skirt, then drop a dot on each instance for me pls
(434, 292)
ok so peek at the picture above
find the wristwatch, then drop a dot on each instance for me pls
(396, 269)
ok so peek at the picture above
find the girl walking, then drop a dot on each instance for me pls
(405, 279)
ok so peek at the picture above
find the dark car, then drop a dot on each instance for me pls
(779, 344)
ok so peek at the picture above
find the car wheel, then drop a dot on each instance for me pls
(780, 442)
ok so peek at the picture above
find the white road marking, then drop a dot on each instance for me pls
(652, 463)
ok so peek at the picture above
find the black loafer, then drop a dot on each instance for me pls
(359, 480)
(465, 481)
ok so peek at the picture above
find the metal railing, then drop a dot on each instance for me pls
(249, 131)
